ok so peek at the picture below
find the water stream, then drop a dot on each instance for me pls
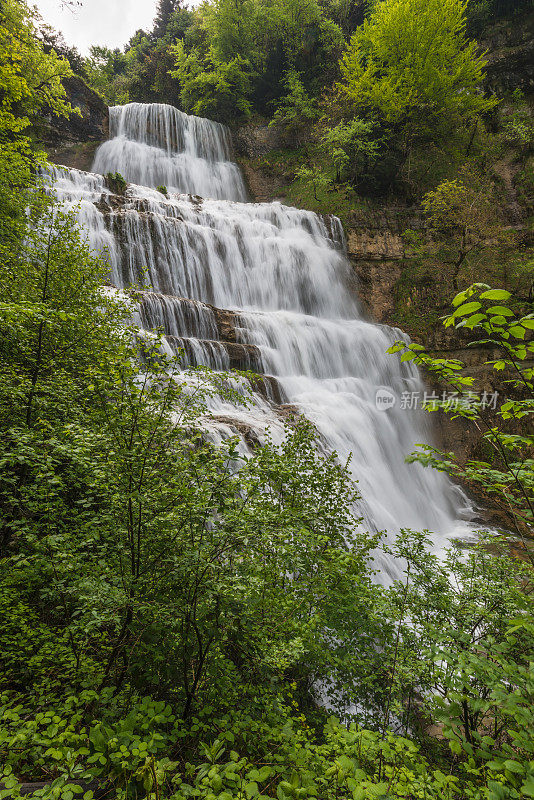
(284, 275)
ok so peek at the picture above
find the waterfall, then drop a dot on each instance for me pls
(157, 145)
(262, 287)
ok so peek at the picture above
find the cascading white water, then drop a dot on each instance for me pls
(157, 145)
(284, 275)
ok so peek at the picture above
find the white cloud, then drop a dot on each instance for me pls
(105, 22)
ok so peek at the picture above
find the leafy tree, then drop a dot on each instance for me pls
(142, 72)
(508, 479)
(30, 77)
(313, 176)
(31, 84)
(157, 563)
(212, 88)
(52, 40)
(232, 29)
(164, 13)
(410, 66)
(470, 638)
(349, 14)
(108, 72)
(250, 48)
(297, 111)
(467, 651)
(352, 148)
(463, 215)
(173, 610)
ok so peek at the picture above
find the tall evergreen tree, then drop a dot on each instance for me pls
(166, 9)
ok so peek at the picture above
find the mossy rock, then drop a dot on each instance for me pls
(115, 182)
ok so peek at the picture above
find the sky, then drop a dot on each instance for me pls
(107, 22)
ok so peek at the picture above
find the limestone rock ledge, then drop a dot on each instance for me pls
(377, 251)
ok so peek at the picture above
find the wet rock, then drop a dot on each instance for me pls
(240, 428)
(226, 323)
(269, 387)
(244, 356)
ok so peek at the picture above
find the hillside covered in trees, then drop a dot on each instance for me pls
(367, 106)
(192, 615)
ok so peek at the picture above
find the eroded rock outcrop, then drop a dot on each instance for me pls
(377, 252)
(72, 141)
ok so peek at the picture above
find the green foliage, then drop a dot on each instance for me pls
(353, 149)
(518, 127)
(509, 477)
(141, 72)
(464, 219)
(223, 59)
(136, 554)
(107, 72)
(173, 610)
(245, 54)
(262, 751)
(30, 78)
(471, 634)
(410, 66)
(162, 189)
(297, 111)
(30, 81)
(304, 176)
(115, 182)
(213, 88)
(468, 649)
(137, 560)
(313, 177)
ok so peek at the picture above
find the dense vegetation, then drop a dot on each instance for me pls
(172, 612)
(237, 56)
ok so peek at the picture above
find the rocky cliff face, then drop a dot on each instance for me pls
(377, 251)
(73, 141)
(252, 142)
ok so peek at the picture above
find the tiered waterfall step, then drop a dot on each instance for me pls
(206, 336)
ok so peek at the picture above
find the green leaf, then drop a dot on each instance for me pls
(514, 766)
(517, 331)
(495, 294)
(251, 789)
(459, 299)
(496, 791)
(470, 322)
(501, 311)
(467, 308)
